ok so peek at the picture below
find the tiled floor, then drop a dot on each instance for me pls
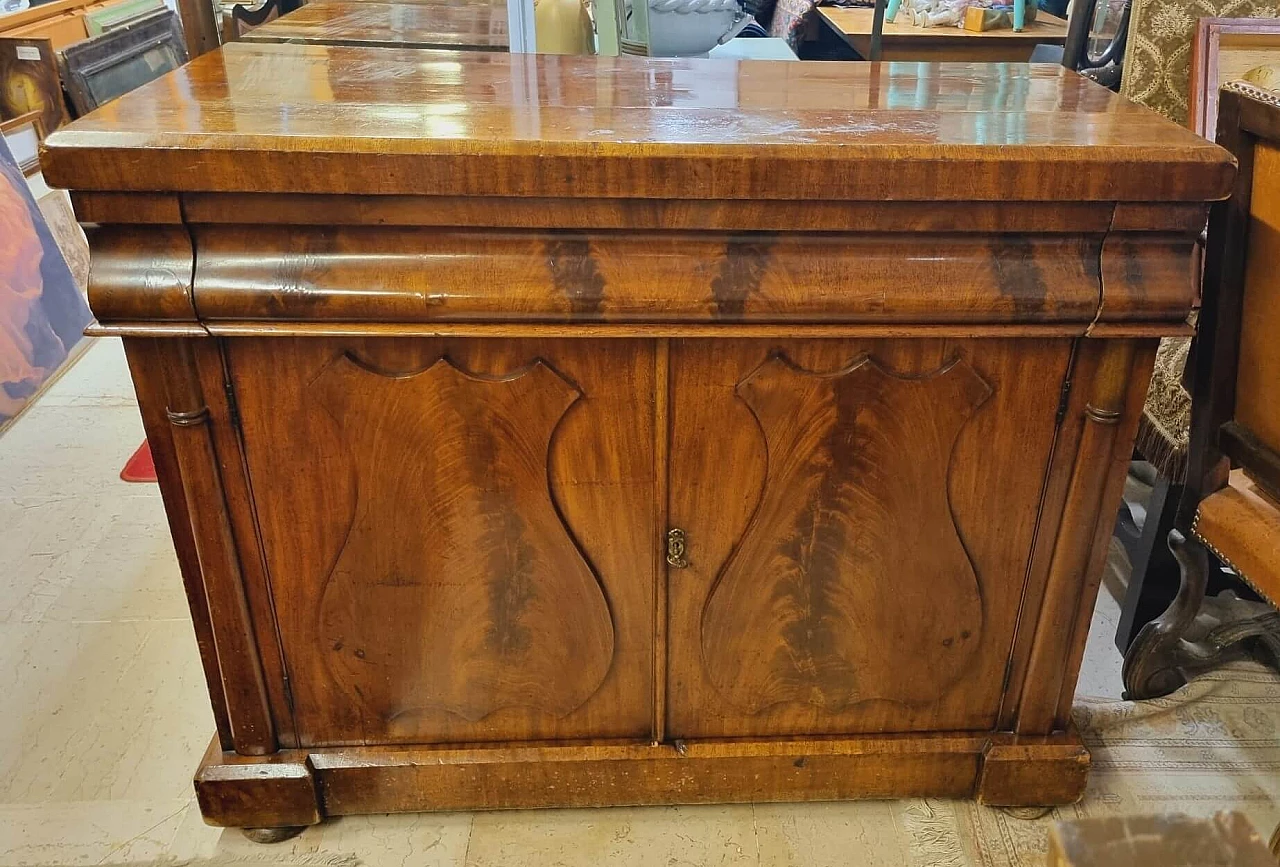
(103, 713)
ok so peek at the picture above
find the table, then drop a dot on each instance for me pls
(903, 41)
(558, 431)
(480, 26)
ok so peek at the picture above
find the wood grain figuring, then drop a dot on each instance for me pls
(234, 791)
(1187, 219)
(357, 779)
(408, 275)
(800, 609)
(505, 512)
(537, 330)
(474, 27)
(671, 215)
(509, 612)
(135, 276)
(1058, 771)
(495, 124)
(969, 579)
(1148, 276)
(127, 208)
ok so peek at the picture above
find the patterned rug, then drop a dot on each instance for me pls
(1213, 745)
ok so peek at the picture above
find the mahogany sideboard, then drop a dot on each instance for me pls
(549, 431)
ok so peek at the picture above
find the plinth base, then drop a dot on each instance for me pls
(300, 787)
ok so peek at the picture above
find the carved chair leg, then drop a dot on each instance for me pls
(1152, 663)
(1195, 632)
(1154, 579)
(272, 835)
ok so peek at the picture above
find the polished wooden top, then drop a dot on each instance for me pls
(1046, 29)
(320, 119)
(478, 27)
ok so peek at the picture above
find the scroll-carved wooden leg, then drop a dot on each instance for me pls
(1195, 633)
(1151, 665)
(1153, 581)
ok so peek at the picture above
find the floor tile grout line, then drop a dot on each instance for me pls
(186, 806)
(471, 829)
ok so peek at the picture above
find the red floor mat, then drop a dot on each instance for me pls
(141, 467)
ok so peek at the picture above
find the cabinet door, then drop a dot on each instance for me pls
(459, 534)
(859, 519)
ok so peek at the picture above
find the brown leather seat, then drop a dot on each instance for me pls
(1241, 525)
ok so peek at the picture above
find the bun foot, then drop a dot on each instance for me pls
(273, 835)
(1026, 813)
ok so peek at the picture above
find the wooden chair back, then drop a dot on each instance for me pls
(1236, 415)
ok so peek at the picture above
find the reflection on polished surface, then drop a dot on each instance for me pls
(905, 40)
(268, 98)
(738, 100)
(477, 27)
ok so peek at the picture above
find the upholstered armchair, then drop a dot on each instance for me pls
(1230, 504)
(1157, 74)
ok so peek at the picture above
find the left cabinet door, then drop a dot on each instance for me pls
(458, 533)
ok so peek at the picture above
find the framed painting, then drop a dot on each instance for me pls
(42, 311)
(29, 81)
(98, 70)
(103, 20)
(67, 234)
(23, 134)
(1224, 50)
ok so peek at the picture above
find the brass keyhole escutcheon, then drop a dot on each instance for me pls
(675, 548)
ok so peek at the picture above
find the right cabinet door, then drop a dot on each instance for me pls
(859, 517)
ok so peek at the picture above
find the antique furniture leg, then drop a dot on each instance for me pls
(1153, 580)
(272, 798)
(1195, 632)
(273, 835)
(1148, 667)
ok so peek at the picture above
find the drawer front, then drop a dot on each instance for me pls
(858, 519)
(458, 534)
